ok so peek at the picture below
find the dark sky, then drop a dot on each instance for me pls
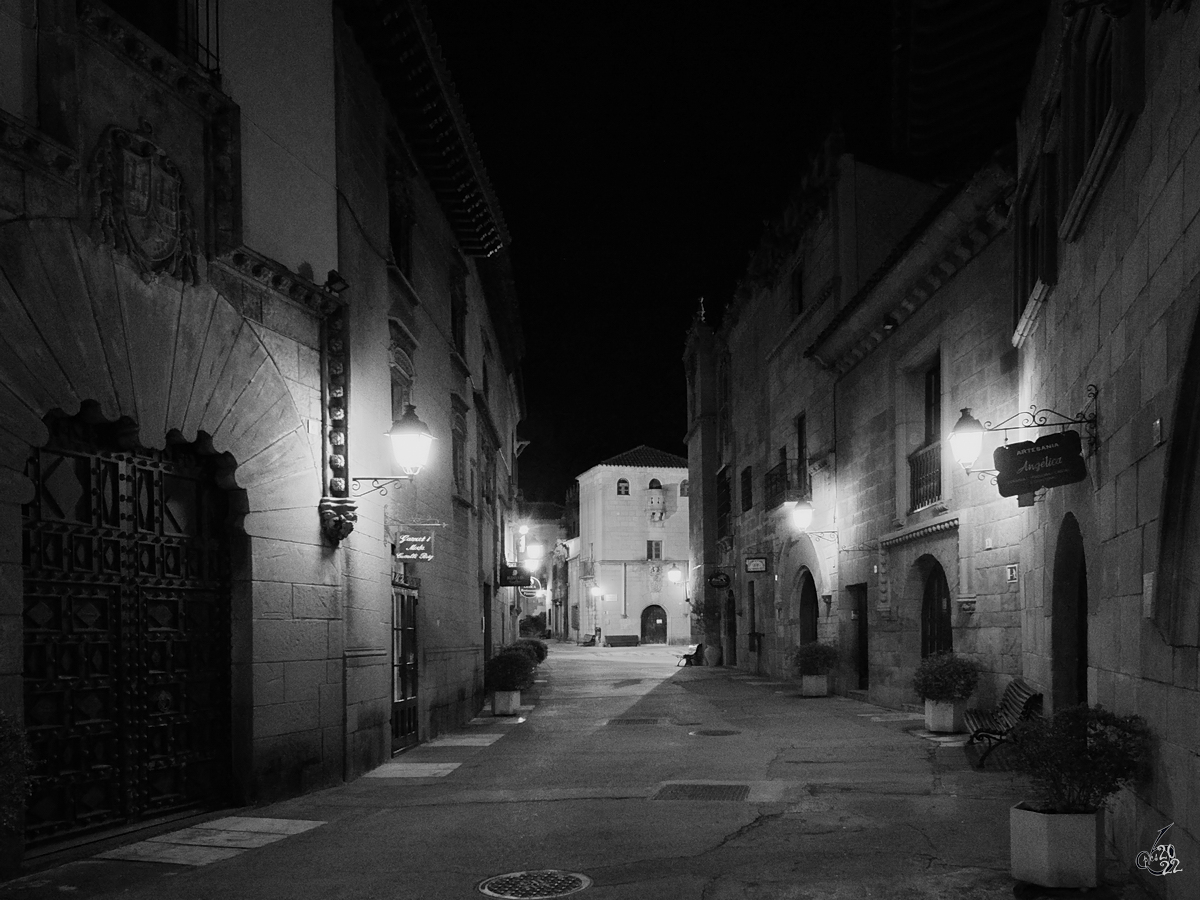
(636, 150)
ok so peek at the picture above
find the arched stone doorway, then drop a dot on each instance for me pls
(1068, 627)
(937, 632)
(654, 625)
(809, 610)
(127, 627)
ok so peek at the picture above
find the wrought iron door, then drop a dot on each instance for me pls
(126, 631)
(937, 634)
(405, 674)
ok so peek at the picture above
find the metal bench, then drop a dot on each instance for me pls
(622, 640)
(692, 657)
(589, 642)
(992, 726)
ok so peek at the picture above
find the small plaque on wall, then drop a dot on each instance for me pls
(756, 564)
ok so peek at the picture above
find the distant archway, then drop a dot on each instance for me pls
(808, 608)
(654, 625)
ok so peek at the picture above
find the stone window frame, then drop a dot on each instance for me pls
(622, 487)
(1102, 92)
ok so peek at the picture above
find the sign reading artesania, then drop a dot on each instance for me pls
(1049, 461)
(415, 546)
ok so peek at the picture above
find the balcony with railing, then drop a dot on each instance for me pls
(788, 481)
(587, 568)
(925, 476)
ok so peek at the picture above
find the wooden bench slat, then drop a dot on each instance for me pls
(1019, 701)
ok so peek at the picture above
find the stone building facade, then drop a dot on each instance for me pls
(1053, 290)
(633, 521)
(231, 255)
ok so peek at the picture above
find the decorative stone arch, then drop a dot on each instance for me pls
(928, 588)
(800, 612)
(1069, 626)
(82, 327)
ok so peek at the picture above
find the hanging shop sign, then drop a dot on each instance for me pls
(415, 546)
(515, 576)
(1050, 461)
(718, 580)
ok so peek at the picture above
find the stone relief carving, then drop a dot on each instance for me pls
(138, 204)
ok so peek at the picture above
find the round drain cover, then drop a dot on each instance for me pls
(534, 885)
(713, 732)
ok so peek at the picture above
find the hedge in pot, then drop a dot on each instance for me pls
(505, 675)
(945, 681)
(813, 661)
(1076, 759)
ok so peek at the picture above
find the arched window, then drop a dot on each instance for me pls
(622, 487)
(655, 484)
(683, 488)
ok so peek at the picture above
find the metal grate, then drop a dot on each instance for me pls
(713, 732)
(729, 792)
(534, 885)
(634, 721)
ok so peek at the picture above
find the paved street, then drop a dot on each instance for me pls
(650, 781)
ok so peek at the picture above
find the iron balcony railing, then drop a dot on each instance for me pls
(587, 568)
(788, 481)
(925, 476)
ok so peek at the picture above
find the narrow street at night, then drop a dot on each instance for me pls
(648, 780)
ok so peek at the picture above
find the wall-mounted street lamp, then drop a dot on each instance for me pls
(411, 441)
(966, 438)
(801, 515)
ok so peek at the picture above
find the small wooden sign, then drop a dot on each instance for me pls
(415, 546)
(514, 576)
(718, 580)
(1050, 461)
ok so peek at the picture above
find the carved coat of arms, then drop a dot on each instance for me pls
(138, 204)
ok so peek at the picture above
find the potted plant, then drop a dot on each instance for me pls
(505, 675)
(945, 681)
(813, 661)
(1076, 759)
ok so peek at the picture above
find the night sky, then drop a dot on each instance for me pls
(636, 150)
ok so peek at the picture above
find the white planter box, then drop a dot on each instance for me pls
(1056, 849)
(814, 685)
(506, 703)
(945, 715)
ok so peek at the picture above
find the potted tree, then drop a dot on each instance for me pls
(945, 681)
(1076, 759)
(505, 675)
(813, 662)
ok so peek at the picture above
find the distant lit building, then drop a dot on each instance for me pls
(633, 520)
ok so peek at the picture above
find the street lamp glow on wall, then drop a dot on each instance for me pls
(802, 515)
(966, 439)
(411, 441)
(674, 575)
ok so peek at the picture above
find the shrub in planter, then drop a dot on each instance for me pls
(813, 662)
(813, 658)
(510, 669)
(944, 677)
(1080, 756)
(538, 646)
(1076, 760)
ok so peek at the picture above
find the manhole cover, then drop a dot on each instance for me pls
(735, 792)
(713, 732)
(534, 885)
(633, 721)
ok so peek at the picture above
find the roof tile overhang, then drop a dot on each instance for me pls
(398, 40)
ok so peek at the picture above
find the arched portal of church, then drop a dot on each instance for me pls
(937, 634)
(127, 628)
(654, 625)
(1069, 608)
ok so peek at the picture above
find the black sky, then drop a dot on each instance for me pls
(636, 150)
